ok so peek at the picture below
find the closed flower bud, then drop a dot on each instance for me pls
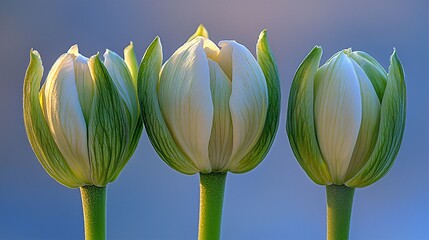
(346, 118)
(84, 122)
(209, 108)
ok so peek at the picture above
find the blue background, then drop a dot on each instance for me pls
(274, 201)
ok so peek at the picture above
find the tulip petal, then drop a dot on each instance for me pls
(185, 101)
(374, 71)
(391, 130)
(337, 114)
(370, 122)
(135, 130)
(269, 68)
(156, 127)
(84, 84)
(220, 144)
(122, 79)
(300, 125)
(38, 131)
(65, 118)
(210, 48)
(248, 102)
(108, 128)
(131, 61)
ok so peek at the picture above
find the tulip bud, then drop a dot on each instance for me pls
(84, 123)
(346, 118)
(210, 109)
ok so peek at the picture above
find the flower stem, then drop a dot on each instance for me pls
(212, 188)
(339, 211)
(94, 212)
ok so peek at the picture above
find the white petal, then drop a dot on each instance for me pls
(338, 113)
(220, 145)
(370, 122)
(249, 97)
(186, 103)
(131, 61)
(224, 58)
(84, 84)
(65, 118)
(211, 49)
(121, 76)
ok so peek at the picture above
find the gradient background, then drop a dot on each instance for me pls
(276, 200)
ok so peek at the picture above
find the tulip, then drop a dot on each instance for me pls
(210, 110)
(84, 123)
(345, 125)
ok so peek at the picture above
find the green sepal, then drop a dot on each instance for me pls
(269, 68)
(200, 32)
(375, 72)
(38, 131)
(392, 124)
(108, 128)
(300, 120)
(156, 127)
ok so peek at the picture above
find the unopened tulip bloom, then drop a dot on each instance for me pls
(84, 123)
(210, 110)
(345, 125)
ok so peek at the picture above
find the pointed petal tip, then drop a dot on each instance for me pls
(34, 53)
(202, 31)
(316, 50)
(394, 55)
(74, 50)
(94, 57)
(262, 38)
(106, 53)
(263, 34)
(129, 47)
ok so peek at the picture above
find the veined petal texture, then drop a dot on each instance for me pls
(154, 122)
(220, 145)
(391, 129)
(38, 132)
(65, 117)
(370, 121)
(185, 101)
(249, 98)
(122, 79)
(337, 113)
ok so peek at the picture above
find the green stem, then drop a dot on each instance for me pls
(94, 212)
(339, 211)
(212, 188)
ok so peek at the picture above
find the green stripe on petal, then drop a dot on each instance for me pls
(248, 102)
(269, 68)
(374, 71)
(220, 144)
(108, 129)
(131, 61)
(37, 129)
(300, 120)
(185, 101)
(392, 123)
(368, 131)
(121, 77)
(156, 128)
(65, 118)
(84, 84)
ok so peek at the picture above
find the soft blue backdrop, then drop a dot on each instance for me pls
(276, 200)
